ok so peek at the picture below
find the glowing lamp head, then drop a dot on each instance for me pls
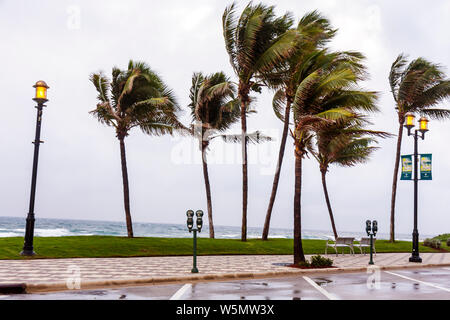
(41, 92)
(409, 120)
(423, 124)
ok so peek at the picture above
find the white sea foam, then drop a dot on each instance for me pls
(39, 232)
(10, 234)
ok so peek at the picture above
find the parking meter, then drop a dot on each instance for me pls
(368, 227)
(190, 225)
(190, 219)
(199, 215)
(371, 229)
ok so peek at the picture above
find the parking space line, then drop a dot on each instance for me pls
(415, 280)
(181, 292)
(320, 289)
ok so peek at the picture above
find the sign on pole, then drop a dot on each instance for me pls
(425, 167)
(406, 167)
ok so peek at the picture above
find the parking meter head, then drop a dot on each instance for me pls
(368, 227)
(375, 227)
(190, 219)
(199, 214)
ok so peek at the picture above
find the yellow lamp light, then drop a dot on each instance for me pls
(409, 120)
(41, 92)
(423, 124)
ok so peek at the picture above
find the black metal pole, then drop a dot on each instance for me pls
(194, 267)
(415, 235)
(371, 248)
(29, 229)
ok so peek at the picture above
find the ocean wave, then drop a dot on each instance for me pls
(40, 232)
(10, 234)
(15, 227)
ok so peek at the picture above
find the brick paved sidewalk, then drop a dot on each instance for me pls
(38, 273)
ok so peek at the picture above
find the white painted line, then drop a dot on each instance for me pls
(415, 280)
(181, 291)
(320, 289)
(3, 296)
(446, 268)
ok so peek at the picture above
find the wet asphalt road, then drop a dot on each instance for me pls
(406, 284)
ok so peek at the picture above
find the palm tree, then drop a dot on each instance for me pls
(136, 97)
(312, 62)
(213, 109)
(315, 31)
(256, 43)
(416, 87)
(326, 94)
(346, 143)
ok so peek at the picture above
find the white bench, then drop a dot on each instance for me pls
(365, 243)
(340, 242)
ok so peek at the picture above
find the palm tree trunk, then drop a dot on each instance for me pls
(276, 178)
(394, 181)
(208, 193)
(327, 199)
(298, 248)
(244, 168)
(126, 190)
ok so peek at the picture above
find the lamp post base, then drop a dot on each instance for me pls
(415, 259)
(194, 270)
(27, 252)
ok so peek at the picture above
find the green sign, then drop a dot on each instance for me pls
(425, 167)
(406, 167)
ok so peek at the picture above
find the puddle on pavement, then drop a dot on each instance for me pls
(323, 282)
(282, 264)
(93, 293)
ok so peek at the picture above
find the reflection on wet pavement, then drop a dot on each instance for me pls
(403, 284)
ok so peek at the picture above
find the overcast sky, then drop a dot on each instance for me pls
(79, 174)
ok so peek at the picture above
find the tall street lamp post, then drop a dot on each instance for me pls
(40, 97)
(423, 127)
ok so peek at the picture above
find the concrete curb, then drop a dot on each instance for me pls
(62, 286)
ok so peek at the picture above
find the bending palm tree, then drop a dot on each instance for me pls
(300, 73)
(343, 142)
(213, 109)
(315, 31)
(327, 93)
(256, 43)
(136, 97)
(416, 88)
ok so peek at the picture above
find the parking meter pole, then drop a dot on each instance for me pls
(371, 249)
(194, 268)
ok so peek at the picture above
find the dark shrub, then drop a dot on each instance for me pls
(319, 261)
(427, 242)
(436, 244)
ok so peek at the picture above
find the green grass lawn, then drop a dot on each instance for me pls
(109, 246)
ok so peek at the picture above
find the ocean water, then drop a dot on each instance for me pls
(15, 227)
